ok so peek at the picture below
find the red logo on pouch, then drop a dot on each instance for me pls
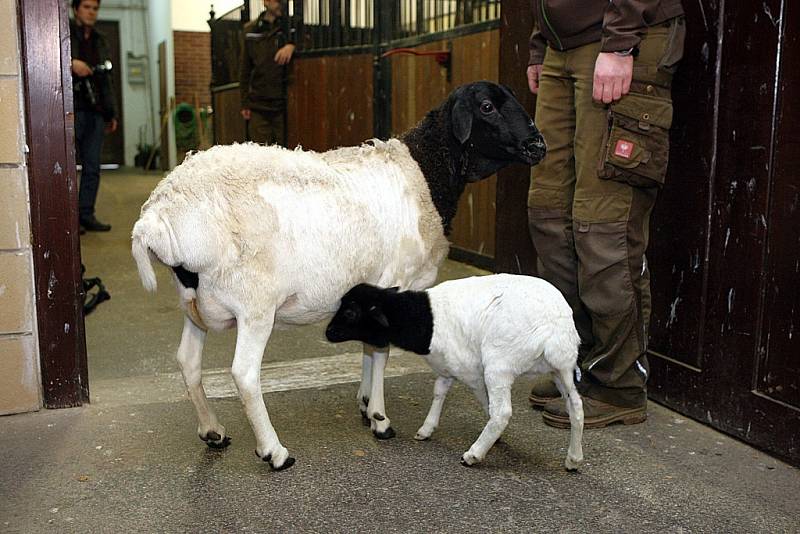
(624, 149)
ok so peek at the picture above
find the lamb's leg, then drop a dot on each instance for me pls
(251, 340)
(566, 385)
(440, 389)
(364, 389)
(480, 393)
(190, 356)
(376, 409)
(499, 390)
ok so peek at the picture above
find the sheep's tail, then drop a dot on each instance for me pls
(142, 256)
(146, 236)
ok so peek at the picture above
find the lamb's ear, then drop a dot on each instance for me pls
(461, 119)
(379, 316)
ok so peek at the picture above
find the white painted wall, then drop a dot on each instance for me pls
(143, 24)
(192, 15)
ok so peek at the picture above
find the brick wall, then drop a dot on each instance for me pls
(192, 67)
(19, 360)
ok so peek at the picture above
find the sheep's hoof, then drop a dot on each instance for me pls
(572, 465)
(219, 444)
(268, 458)
(364, 419)
(421, 437)
(215, 441)
(286, 465)
(386, 434)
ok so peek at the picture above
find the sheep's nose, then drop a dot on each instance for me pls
(535, 147)
(330, 335)
(536, 144)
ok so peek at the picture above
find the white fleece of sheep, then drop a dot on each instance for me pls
(500, 323)
(267, 227)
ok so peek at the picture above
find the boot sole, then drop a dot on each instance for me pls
(539, 402)
(629, 417)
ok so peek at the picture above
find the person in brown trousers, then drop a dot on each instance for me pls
(267, 49)
(602, 71)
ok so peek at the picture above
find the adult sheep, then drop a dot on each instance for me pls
(259, 237)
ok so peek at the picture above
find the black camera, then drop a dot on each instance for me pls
(85, 84)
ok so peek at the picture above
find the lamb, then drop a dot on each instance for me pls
(484, 331)
(264, 237)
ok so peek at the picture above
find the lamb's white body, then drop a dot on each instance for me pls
(487, 331)
(277, 237)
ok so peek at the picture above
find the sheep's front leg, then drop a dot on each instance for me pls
(190, 357)
(376, 409)
(251, 340)
(365, 388)
(499, 415)
(566, 385)
(440, 389)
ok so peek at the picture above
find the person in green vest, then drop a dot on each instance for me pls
(602, 72)
(267, 49)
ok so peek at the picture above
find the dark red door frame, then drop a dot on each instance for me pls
(54, 201)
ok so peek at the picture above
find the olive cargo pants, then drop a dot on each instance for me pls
(590, 202)
(266, 127)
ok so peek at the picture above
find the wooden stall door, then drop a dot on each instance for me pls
(164, 105)
(724, 254)
(114, 143)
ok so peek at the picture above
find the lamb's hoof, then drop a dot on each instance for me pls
(468, 460)
(386, 434)
(421, 437)
(572, 465)
(215, 441)
(268, 458)
(364, 419)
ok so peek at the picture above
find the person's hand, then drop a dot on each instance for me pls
(80, 68)
(111, 126)
(534, 71)
(612, 77)
(284, 55)
(245, 114)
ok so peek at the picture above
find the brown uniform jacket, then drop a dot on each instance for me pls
(261, 79)
(618, 24)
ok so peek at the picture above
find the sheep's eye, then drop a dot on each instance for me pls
(350, 315)
(486, 107)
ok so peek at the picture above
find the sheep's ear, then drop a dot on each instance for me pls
(461, 119)
(509, 89)
(379, 316)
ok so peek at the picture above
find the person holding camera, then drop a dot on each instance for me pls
(95, 109)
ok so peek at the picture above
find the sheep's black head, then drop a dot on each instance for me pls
(489, 129)
(360, 317)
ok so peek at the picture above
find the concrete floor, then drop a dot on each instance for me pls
(131, 460)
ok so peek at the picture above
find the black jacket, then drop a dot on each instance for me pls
(617, 24)
(95, 92)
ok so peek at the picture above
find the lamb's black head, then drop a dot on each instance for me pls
(360, 317)
(489, 129)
